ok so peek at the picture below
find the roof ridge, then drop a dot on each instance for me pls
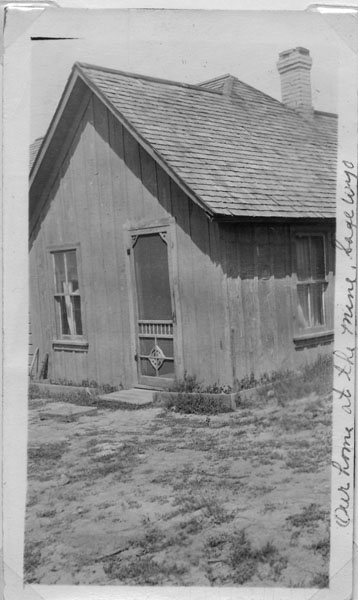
(324, 113)
(247, 85)
(81, 65)
(251, 87)
(218, 78)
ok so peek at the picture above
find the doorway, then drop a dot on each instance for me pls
(153, 307)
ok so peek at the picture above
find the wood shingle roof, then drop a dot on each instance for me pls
(241, 152)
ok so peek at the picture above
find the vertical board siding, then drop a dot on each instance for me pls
(259, 287)
(282, 308)
(104, 181)
(81, 171)
(133, 175)
(124, 368)
(201, 300)
(220, 322)
(246, 259)
(108, 295)
(180, 204)
(235, 281)
(164, 192)
(238, 346)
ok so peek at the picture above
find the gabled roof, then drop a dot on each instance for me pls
(239, 152)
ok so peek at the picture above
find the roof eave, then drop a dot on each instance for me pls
(220, 218)
(53, 124)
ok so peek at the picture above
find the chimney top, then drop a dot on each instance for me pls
(294, 67)
(298, 50)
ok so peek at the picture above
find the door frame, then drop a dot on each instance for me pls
(144, 228)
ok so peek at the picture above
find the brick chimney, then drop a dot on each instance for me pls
(294, 67)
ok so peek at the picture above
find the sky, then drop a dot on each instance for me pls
(187, 46)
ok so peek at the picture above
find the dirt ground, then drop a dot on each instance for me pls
(152, 497)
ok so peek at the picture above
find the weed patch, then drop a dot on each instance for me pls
(83, 397)
(322, 547)
(313, 378)
(143, 570)
(50, 451)
(321, 580)
(190, 384)
(308, 459)
(183, 488)
(119, 463)
(197, 404)
(309, 517)
(244, 561)
(32, 560)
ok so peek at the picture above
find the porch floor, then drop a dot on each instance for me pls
(134, 397)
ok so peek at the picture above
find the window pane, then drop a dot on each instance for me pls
(68, 306)
(316, 293)
(303, 258)
(60, 274)
(167, 369)
(317, 257)
(303, 310)
(72, 276)
(152, 277)
(76, 302)
(146, 345)
(64, 327)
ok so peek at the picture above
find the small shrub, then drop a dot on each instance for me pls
(35, 391)
(142, 570)
(320, 374)
(32, 560)
(217, 539)
(322, 547)
(290, 385)
(309, 517)
(192, 527)
(190, 385)
(217, 388)
(246, 560)
(246, 383)
(197, 404)
(218, 513)
(321, 580)
(51, 451)
(242, 558)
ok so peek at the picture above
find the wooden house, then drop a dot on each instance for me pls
(182, 228)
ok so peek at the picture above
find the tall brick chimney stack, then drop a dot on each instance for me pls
(294, 67)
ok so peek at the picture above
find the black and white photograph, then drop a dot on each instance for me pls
(191, 301)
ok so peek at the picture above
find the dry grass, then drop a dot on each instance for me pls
(151, 497)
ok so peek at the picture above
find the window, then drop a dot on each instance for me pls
(311, 280)
(67, 294)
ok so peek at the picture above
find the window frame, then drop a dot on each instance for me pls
(61, 341)
(144, 227)
(310, 281)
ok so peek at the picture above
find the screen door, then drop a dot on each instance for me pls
(154, 331)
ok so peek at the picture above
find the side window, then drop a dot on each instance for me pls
(311, 280)
(67, 294)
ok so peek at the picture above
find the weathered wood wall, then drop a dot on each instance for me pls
(234, 281)
(105, 180)
(262, 296)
